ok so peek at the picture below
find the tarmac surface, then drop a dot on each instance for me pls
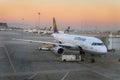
(21, 60)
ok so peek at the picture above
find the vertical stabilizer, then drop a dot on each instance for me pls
(55, 26)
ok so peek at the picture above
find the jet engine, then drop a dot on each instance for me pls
(58, 50)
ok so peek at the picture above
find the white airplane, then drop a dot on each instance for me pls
(84, 44)
(45, 31)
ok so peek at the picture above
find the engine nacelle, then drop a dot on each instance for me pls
(58, 50)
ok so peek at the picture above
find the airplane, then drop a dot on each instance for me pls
(50, 31)
(85, 44)
(45, 31)
(67, 30)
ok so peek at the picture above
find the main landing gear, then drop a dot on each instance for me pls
(92, 59)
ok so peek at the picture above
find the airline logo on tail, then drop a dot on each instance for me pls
(55, 26)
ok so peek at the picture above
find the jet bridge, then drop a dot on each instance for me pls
(112, 42)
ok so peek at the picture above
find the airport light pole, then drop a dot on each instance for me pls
(38, 19)
(22, 22)
(22, 26)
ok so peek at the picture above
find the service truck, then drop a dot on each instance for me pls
(70, 58)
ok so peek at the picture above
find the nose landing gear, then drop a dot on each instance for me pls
(82, 53)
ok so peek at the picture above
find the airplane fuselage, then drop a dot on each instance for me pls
(88, 44)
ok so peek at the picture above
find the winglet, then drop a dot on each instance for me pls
(55, 26)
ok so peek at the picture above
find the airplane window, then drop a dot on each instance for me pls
(80, 39)
(96, 44)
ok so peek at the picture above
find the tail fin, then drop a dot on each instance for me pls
(55, 26)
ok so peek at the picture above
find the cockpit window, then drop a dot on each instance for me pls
(97, 44)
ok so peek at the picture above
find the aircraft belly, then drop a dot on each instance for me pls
(92, 52)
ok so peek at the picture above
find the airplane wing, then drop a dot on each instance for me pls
(67, 45)
(34, 41)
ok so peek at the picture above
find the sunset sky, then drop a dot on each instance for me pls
(65, 11)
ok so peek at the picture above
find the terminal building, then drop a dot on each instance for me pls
(3, 26)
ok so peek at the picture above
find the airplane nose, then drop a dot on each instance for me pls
(103, 50)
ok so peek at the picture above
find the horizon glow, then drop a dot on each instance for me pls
(66, 11)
